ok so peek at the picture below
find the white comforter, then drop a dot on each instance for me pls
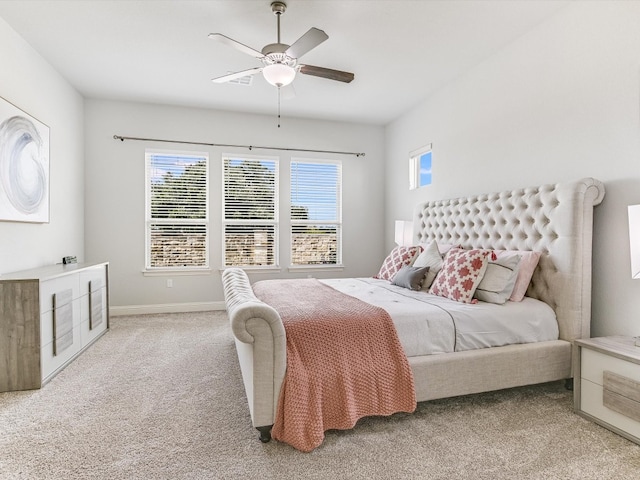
(429, 324)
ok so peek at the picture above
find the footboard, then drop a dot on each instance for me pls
(260, 344)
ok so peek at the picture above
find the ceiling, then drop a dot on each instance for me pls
(158, 51)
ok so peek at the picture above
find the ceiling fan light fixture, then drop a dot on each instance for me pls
(279, 74)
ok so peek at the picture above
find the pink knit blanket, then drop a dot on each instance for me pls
(344, 361)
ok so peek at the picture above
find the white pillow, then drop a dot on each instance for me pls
(431, 258)
(499, 279)
(528, 264)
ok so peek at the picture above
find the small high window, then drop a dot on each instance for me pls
(420, 167)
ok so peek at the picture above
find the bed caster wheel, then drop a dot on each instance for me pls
(265, 434)
(568, 384)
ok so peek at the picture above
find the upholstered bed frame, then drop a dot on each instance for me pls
(555, 220)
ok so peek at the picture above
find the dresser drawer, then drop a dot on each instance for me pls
(592, 403)
(51, 362)
(91, 328)
(46, 322)
(94, 276)
(49, 288)
(594, 364)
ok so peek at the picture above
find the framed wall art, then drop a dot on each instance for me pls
(24, 166)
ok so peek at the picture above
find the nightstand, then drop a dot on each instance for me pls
(607, 383)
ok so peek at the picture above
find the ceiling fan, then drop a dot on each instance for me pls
(279, 60)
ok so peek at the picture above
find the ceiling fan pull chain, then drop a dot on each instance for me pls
(279, 107)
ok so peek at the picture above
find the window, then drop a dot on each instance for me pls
(250, 212)
(420, 167)
(316, 216)
(177, 210)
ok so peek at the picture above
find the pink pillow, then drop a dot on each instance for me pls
(398, 257)
(526, 267)
(460, 274)
(445, 247)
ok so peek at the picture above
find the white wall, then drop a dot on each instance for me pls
(31, 84)
(115, 192)
(560, 103)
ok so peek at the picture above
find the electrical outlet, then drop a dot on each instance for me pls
(169, 283)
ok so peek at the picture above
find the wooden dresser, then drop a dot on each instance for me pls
(48, 316)
(607, 383)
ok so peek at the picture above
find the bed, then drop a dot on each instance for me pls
(555, 220)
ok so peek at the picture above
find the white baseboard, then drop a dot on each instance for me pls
(115, 311)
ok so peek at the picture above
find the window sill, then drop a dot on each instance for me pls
(253, 269)
(164, 272)
(316, 268)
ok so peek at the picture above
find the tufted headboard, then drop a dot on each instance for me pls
(556, 220)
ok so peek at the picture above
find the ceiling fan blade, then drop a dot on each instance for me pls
(306, 42)
(233, 43)
(233, 76)
(338, 75)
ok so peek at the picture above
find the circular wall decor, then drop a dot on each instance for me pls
(22, 164)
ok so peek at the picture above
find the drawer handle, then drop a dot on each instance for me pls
(62, 321)
(95, 303)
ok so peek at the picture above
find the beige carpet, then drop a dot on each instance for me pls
(160, 397)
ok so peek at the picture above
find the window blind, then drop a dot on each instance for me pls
(316, 228)
(177, 210)
(250, 211)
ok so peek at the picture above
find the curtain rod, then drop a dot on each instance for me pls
(250, 147)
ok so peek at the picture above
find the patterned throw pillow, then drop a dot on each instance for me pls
(460, 274)
(398, 257)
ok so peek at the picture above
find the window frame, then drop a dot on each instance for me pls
(337, 222)
(415, 158)
(275, 222)
(150, 221)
